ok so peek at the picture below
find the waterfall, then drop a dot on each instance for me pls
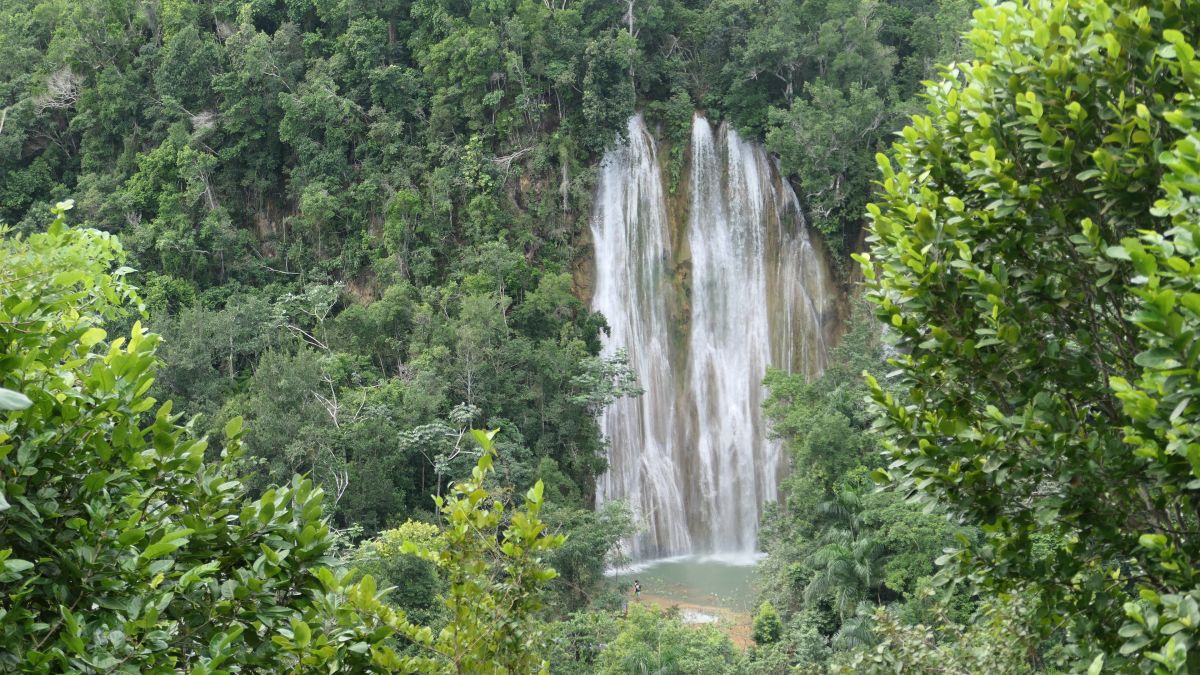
(704, 302)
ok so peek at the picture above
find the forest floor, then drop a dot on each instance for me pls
(736, 624)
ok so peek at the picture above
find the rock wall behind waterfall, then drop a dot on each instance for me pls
(704, 298)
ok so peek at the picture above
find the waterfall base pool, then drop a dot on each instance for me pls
(716, 581)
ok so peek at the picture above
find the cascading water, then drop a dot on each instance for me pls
(704, 304)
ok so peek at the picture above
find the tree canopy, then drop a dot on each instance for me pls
(1032, 256)
(125, 550)
(355, 231)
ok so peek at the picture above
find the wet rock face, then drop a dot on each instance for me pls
(706, 288)
(583, 273)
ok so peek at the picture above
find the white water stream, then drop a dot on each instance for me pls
(704, 302)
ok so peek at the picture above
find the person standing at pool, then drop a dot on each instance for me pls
(637, 589)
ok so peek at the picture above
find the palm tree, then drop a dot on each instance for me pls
(857, 631)
(848, 567)
(847, 572)
(842, 512)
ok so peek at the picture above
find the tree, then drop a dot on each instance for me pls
(594, 546)
(650, 642)
(1006, 258)
(186, 71)
(493, 578)
(847, 571)
(838, 550)
(999, 641)
(122, 549)
(826, 140)
(415, 581)
(767, 626)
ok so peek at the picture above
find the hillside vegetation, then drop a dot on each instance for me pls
(271, 268)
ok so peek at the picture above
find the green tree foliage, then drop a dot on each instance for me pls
(1029, 255)
(837, 547)
(424, 170)
(424, 160)
(649, 641)
(576, 642)
(999, 641)
(593, 547)
(847, 568)
(826, 422)
(845, 73)
(492, 562)
(767, 626)
(123, 550)
(414, 581)
(311, 125)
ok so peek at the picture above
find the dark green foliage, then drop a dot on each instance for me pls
(831, 80)
(823, 139)
(358, 222)
(1030, 254)
(122, 549)
(592, 548)
(446, 123)
(838, 547)
(577, 642)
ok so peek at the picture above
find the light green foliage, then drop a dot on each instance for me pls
(651, 642)
(804, 640)
(913, 538)
(415, 584)
(1163, 427)
(676, 113)
(604, 380)
(123, 550)
(184, 76)
(999, 641)
(1032, 254)
(205, 350)
(492, 562)
(767, 626)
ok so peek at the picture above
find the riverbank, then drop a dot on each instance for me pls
(736, 624)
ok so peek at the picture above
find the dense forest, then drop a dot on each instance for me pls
(298, 371)
(355, 221)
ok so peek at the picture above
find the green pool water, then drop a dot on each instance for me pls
(715, 581)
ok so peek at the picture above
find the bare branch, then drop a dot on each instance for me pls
(507, 160)
(62, 90)
(308, 337)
